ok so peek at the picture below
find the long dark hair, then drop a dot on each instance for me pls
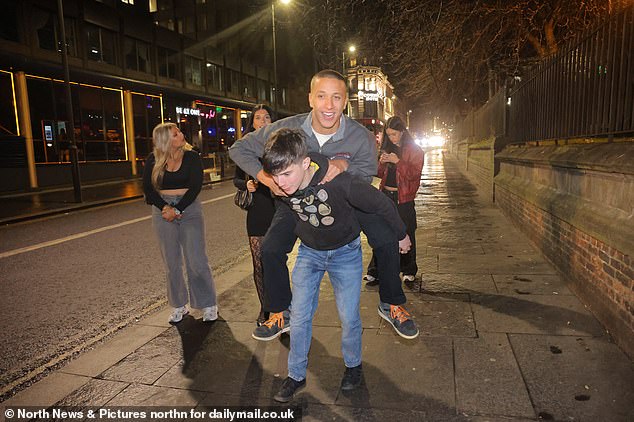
(257, 107)
(395, 123)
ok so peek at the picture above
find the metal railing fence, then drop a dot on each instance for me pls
(585, 91)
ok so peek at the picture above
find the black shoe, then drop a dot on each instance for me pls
(352, 378)
(288, 389)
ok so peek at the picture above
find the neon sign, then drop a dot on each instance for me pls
(188, 111)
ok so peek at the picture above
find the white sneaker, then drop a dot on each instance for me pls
(210, 313)
(178, 314)
(408, 278)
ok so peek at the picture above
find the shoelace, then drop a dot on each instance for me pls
(398, 313)
(275, 318)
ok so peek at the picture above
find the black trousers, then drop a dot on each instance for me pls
(280, 239)
(408, 264)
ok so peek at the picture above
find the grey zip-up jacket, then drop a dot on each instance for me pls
(351, 142)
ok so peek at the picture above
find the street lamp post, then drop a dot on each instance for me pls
(275, 96)
(351, 49)
(70, 132)
(408, 113)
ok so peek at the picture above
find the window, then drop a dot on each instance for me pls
(168, 65)
(193, 70)
(263, 90)
(9, 22)
(234, 82)
(249, 86)
(101, 44)
(202, 21)
(214, 76)
(370, 83)
(137, 55)
(147, 114)
(8, 124)
(48, 33)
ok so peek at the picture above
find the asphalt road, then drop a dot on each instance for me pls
(69, 280)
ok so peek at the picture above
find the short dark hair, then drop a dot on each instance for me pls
(284, 148)
(327, 73)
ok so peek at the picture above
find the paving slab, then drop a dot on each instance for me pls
(48, 390)
(446, 318)
(227, 360)
(150, 361)
(405, 374)
(527, 284)
(488, 379)
(494, 264)
(107, 354)
(152, 395)
(458, 282)
(533, 314)
(576, 378)
(96, 392)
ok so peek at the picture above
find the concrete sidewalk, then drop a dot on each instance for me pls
(502, 338)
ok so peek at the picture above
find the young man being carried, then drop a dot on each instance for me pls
(350, 148)
(329, 231)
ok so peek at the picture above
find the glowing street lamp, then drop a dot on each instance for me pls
(351, 49)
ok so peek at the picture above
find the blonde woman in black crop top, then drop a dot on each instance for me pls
(172, 180)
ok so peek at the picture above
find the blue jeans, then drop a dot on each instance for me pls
(344, 266)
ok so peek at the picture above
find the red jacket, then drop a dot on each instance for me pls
(408, 172)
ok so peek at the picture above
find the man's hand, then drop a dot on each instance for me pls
(335, 168)
(266, 179)
(404, 245)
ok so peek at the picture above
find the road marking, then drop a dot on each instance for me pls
(91, 232)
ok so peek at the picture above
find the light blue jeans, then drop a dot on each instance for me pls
(344, 267)
(184, 240)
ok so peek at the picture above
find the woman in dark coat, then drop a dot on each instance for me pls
(260, 214)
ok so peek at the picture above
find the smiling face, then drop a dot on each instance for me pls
(327, 98)
(261, 118)
(294, 177)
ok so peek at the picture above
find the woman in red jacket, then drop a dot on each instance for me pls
(400, 167)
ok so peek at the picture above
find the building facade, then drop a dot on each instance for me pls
(133, 64)
(372, 99)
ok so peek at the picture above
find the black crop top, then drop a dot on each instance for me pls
(189, 176)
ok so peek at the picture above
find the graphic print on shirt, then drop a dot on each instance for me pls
(314, 208)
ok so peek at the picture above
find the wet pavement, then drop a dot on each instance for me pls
(28, 205)
(502, 338)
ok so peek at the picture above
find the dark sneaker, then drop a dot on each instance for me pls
(352, 378)
(400, 320)
(288, 389)
(371, 280)
(272, 328)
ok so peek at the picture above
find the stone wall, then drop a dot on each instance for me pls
(576, 204)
